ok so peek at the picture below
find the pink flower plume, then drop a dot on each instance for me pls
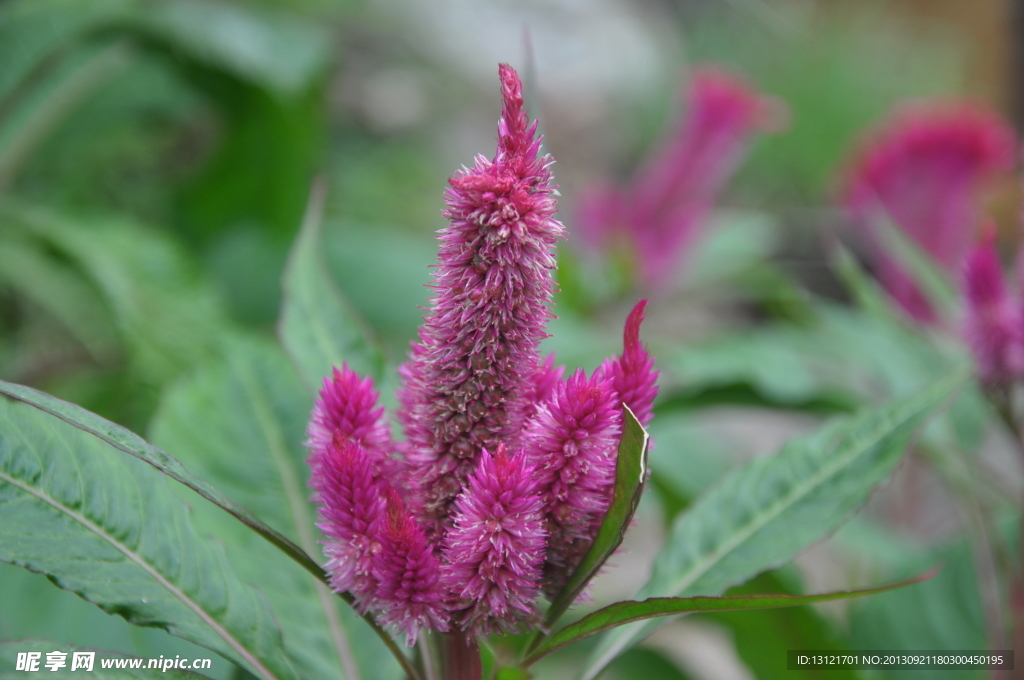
(496, 547)
(348, 405)
(922, 171)
(409, 592)
(351, 500)
(573, 443)
(468, 380)
(663, 210)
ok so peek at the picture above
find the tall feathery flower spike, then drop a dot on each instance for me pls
(448, 536)
(922, 171)
(661, 213)
(468, 383)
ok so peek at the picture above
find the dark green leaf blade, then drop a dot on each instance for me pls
(622, 613)
(318, 327)
(106, 527)
(763, 514)
(240, 422)
(131, 443)
(630, 475)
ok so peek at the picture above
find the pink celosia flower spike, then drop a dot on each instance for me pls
(409, 592)
(993, 325)
(496, 547)
(468, 383)
(922, 172)
(572, 442)
(662, 211)
(348, 405)
(351, 500)
(633, 375)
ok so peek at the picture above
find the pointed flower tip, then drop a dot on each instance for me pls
(516, 137)
(347, 405)
(726, 97)
(631, 331)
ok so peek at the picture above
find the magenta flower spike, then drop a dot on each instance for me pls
(993, 324)
(409, 590)
(923, 171)
(436, 533)
(348, 405)
(468, 381)
(572, 443)
(351, 498)
(496, 546)
(664, 208)
(633, 375)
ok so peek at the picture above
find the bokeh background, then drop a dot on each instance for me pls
(156, 157)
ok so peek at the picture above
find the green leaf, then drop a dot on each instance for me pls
(133, 444)
(240, 422)
(105, 527)
(630, 475)
(9, 657)
(318, 328)
(763, 514)
(759, 634)
(622, 613)
(271, 49)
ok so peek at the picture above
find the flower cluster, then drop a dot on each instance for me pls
(922, 172)
(506, 468)
(661, 213)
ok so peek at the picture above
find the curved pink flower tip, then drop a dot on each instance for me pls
(922, 170)
(633, 375)
(573, 443)
(348, 405)
(496, 548)
(351, 500)
(993, 326)
(468, 383)
(409, 593)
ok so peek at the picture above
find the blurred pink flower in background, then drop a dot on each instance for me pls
(922, 170)
(994, 319)
(661, 212)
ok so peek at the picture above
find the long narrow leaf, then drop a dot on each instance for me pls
(763, 514)
(627, 612)
(131, 443)
(240, 423)
(106, 527)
